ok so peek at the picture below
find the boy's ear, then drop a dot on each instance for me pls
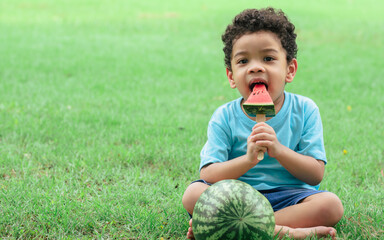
(291, 70)
(230, 78)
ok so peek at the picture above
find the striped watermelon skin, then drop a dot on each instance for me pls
(232, 209)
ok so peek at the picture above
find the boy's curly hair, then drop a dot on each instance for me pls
(254, 20)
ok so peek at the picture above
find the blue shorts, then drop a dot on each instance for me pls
(284, 196)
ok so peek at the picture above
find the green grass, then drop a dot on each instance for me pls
(104, 107)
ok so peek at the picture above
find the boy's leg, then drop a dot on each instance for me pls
(192, 194)
(190, 197)
(314, 216)
(295, 233)
(303, 233)
(317, 209)
(321, 209)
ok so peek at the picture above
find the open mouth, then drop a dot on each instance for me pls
(256, 83)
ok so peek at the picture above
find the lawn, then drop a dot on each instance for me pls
(104, 107)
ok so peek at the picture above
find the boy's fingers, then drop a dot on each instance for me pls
(256, 126)
(259, 125)
(262, 128)
(264, 149)
(260, 136)
(263, 144)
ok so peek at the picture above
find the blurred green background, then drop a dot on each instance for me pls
(104, 107)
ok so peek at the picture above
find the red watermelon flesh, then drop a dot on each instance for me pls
(259, 102)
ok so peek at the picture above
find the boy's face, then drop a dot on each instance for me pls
(260, 57)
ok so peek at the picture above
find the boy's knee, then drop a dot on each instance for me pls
(331, 209)
(192, 194)
(339, 209)
(186, 199)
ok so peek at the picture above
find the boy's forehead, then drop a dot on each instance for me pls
(261, 40)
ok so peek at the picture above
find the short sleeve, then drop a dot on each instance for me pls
(312, 142)
(218, 144)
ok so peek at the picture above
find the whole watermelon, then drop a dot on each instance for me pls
(232, 209)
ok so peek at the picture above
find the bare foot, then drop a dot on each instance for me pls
(295, 233)
(302, 233)
(190, 232)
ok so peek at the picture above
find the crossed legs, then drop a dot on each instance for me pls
(314, 216)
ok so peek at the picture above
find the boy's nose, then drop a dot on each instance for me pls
(256, 67)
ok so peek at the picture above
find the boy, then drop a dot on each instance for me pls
(260, 48)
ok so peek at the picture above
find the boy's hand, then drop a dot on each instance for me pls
(263, 137)
(253, 149)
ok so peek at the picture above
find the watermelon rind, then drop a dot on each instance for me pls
(259, 102)
(252, 110)
(232, 209)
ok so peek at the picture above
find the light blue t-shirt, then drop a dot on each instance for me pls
(297, 126)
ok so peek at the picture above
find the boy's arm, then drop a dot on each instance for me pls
(304, 168)
(234, 168)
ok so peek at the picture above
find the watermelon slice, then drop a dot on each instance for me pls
(260, 105)
(259, 102)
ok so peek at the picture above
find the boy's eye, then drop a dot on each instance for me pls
(268, 59)
(243, 61)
